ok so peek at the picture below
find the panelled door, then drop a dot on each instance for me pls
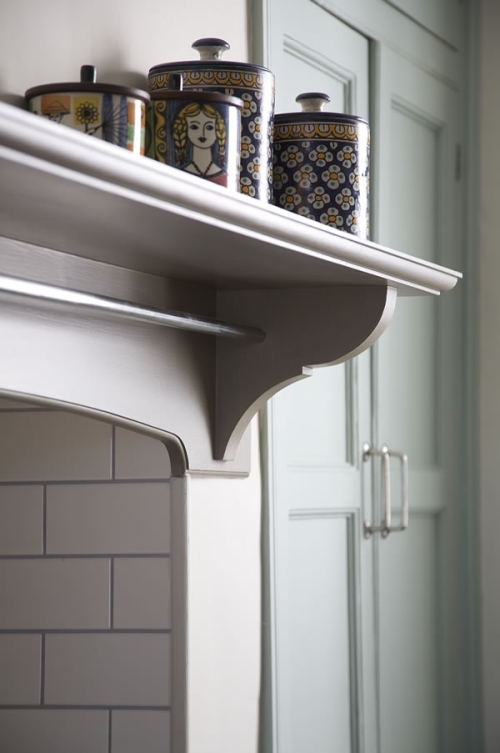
(417, 409)
(364, 634)
(323, 680)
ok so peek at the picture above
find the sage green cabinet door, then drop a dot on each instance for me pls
(417, 387)
(320, 677)
(364, 644)
(441, 17)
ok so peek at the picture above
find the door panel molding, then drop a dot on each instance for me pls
(312, 58)
(354, 617)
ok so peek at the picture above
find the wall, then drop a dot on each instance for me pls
(47, 42)
(224, 612)
(489, 366)
(85, 619)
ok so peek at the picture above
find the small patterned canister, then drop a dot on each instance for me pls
(110, 112)
(321, 165)
(254, 85)
(198, 132)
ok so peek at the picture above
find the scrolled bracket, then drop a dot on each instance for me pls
(304, 328)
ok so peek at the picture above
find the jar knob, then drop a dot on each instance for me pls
(88, 74)
(312, 101)
(210, 48)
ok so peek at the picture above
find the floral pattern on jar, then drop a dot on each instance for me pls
(321, 170)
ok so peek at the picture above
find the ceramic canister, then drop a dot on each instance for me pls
(110, 112)
(254, 85)
(198, 132)
(321, 165)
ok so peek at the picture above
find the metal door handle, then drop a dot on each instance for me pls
(386, 527)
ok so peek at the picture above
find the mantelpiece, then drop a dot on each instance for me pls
(88, 216)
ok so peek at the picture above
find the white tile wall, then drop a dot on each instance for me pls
(119, 518)
(21, 520)
(118, 669)
(84, 586)
(141, 593)
(20, 669)
(140, 731)
(137, 456)
(48, 731)
(48, 446)
(54, 594)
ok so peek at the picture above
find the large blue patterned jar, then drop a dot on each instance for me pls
(321, 165)
(253, 84)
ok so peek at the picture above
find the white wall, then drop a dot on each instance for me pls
(224, 612)
(489, 366)
(45, 43)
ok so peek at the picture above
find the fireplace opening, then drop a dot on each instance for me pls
(85, 584)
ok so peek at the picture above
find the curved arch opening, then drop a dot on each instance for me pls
(85, 574)
(173, 444)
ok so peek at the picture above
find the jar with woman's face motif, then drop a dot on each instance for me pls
(253, 84)
(198, 132)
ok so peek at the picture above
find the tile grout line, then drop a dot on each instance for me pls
(110, 730)
(44, 519)
(113, 452)
(86, 631)
(79, 707)
(88, 482)
(100, 555)
(111, 592)
(42, 671)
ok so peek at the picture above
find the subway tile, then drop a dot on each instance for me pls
(142, 593)
(53, 446)
(119, 518)
(51, 731)
(114, 669)
(144, 731)
(21, 520)
(140, 456)
(55, 594)
(20, 657)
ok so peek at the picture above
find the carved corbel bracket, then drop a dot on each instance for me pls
(304, 328)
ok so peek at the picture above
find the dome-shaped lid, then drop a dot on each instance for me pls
(312, 104)
(210, 50)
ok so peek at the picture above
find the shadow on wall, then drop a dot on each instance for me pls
(85, 618)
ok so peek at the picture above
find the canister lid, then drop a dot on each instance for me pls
(312, 104)
(211, 50)
(88, 83)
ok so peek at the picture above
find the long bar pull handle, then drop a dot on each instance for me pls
(405, 506)
(386, 527)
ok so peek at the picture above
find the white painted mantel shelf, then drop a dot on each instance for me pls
(82, 214)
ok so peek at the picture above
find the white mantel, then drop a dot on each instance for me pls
(87, 216)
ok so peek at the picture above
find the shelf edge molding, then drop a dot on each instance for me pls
(49, 152)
